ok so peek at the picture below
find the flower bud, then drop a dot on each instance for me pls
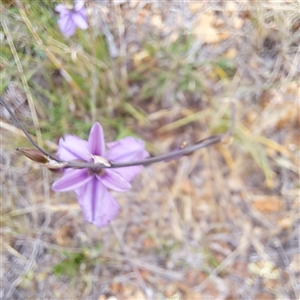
(34, 154)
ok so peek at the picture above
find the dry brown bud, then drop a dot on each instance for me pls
(33, 154)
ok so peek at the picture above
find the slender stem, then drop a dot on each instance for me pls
(201, 144)
(165, 157)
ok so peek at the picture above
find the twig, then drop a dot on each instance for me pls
(126, 252)
(244, 242)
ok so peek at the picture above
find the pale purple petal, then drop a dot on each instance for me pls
(80, 190)
(96, 143)
(79, 4)
(72, 147)
(61, 8)
(83, 13)
(80, 21)
(98, 205)
(126, 150)
(72, 180)
(66, 25)
(128, 173)
(113, 180)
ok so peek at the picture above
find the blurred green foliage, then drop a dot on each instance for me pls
(73, 261)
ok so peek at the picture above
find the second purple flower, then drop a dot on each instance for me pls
(72, 17)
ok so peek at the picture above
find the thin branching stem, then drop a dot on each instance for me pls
(144, 162)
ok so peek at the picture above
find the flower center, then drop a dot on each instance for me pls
(101, 172)
(96, 170)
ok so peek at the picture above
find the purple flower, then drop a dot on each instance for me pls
(71, 18)
(98, 205)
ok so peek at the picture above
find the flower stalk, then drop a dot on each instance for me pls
(143, 162)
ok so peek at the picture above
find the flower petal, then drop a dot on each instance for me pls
(113, 180)
(71, 180)
(72, 147)
(79, 4)
(128, 173)
(96, 142)
(61, 8)
(98, 205)
(66, 24)
(125, 150)
(80, 20)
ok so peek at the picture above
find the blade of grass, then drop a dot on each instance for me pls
(24, 82)
(187, 120)
(138, 114)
